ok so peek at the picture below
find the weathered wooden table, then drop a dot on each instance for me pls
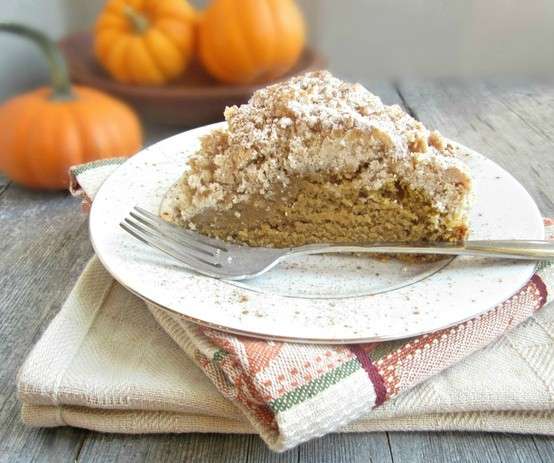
(44, 246)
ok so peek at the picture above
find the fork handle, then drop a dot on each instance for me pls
(509, 249)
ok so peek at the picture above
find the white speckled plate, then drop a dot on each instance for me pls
(331, 299)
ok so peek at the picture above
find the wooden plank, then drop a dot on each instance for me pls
(467, 447)
(44, 249)
(4, 182)
(515, 448)
(351, 448)
(448, 447)
(258, 452)
(368, 447)
(40, 445)
(383, 89)
(545, 447)
(509, 123)
(106, 448)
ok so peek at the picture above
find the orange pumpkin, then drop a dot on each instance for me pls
(145, 42)
(45, 131)
(249, 41)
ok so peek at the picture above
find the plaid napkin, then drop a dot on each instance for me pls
(290, 393)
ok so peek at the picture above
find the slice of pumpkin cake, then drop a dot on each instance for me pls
(315, 159)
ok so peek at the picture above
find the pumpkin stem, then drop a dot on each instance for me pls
(138, 21)
(59, 76)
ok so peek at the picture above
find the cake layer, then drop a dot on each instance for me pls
(313, 210)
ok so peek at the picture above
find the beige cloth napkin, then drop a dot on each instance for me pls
(105, 363)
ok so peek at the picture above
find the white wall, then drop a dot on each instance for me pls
(382, 38)
(363, 39)
(21, 66)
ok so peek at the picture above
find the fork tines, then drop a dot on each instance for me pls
(193, 249)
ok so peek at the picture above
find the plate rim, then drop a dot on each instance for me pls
(306, 339)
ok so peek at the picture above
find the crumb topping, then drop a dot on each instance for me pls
(312, 124)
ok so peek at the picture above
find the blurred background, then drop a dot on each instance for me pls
(361, 39)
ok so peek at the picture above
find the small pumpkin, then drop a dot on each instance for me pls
(45, 131)
(145, 42)
(250, 41)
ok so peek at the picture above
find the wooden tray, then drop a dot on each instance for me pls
(195, 99)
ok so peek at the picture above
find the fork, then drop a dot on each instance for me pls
(219, 259)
